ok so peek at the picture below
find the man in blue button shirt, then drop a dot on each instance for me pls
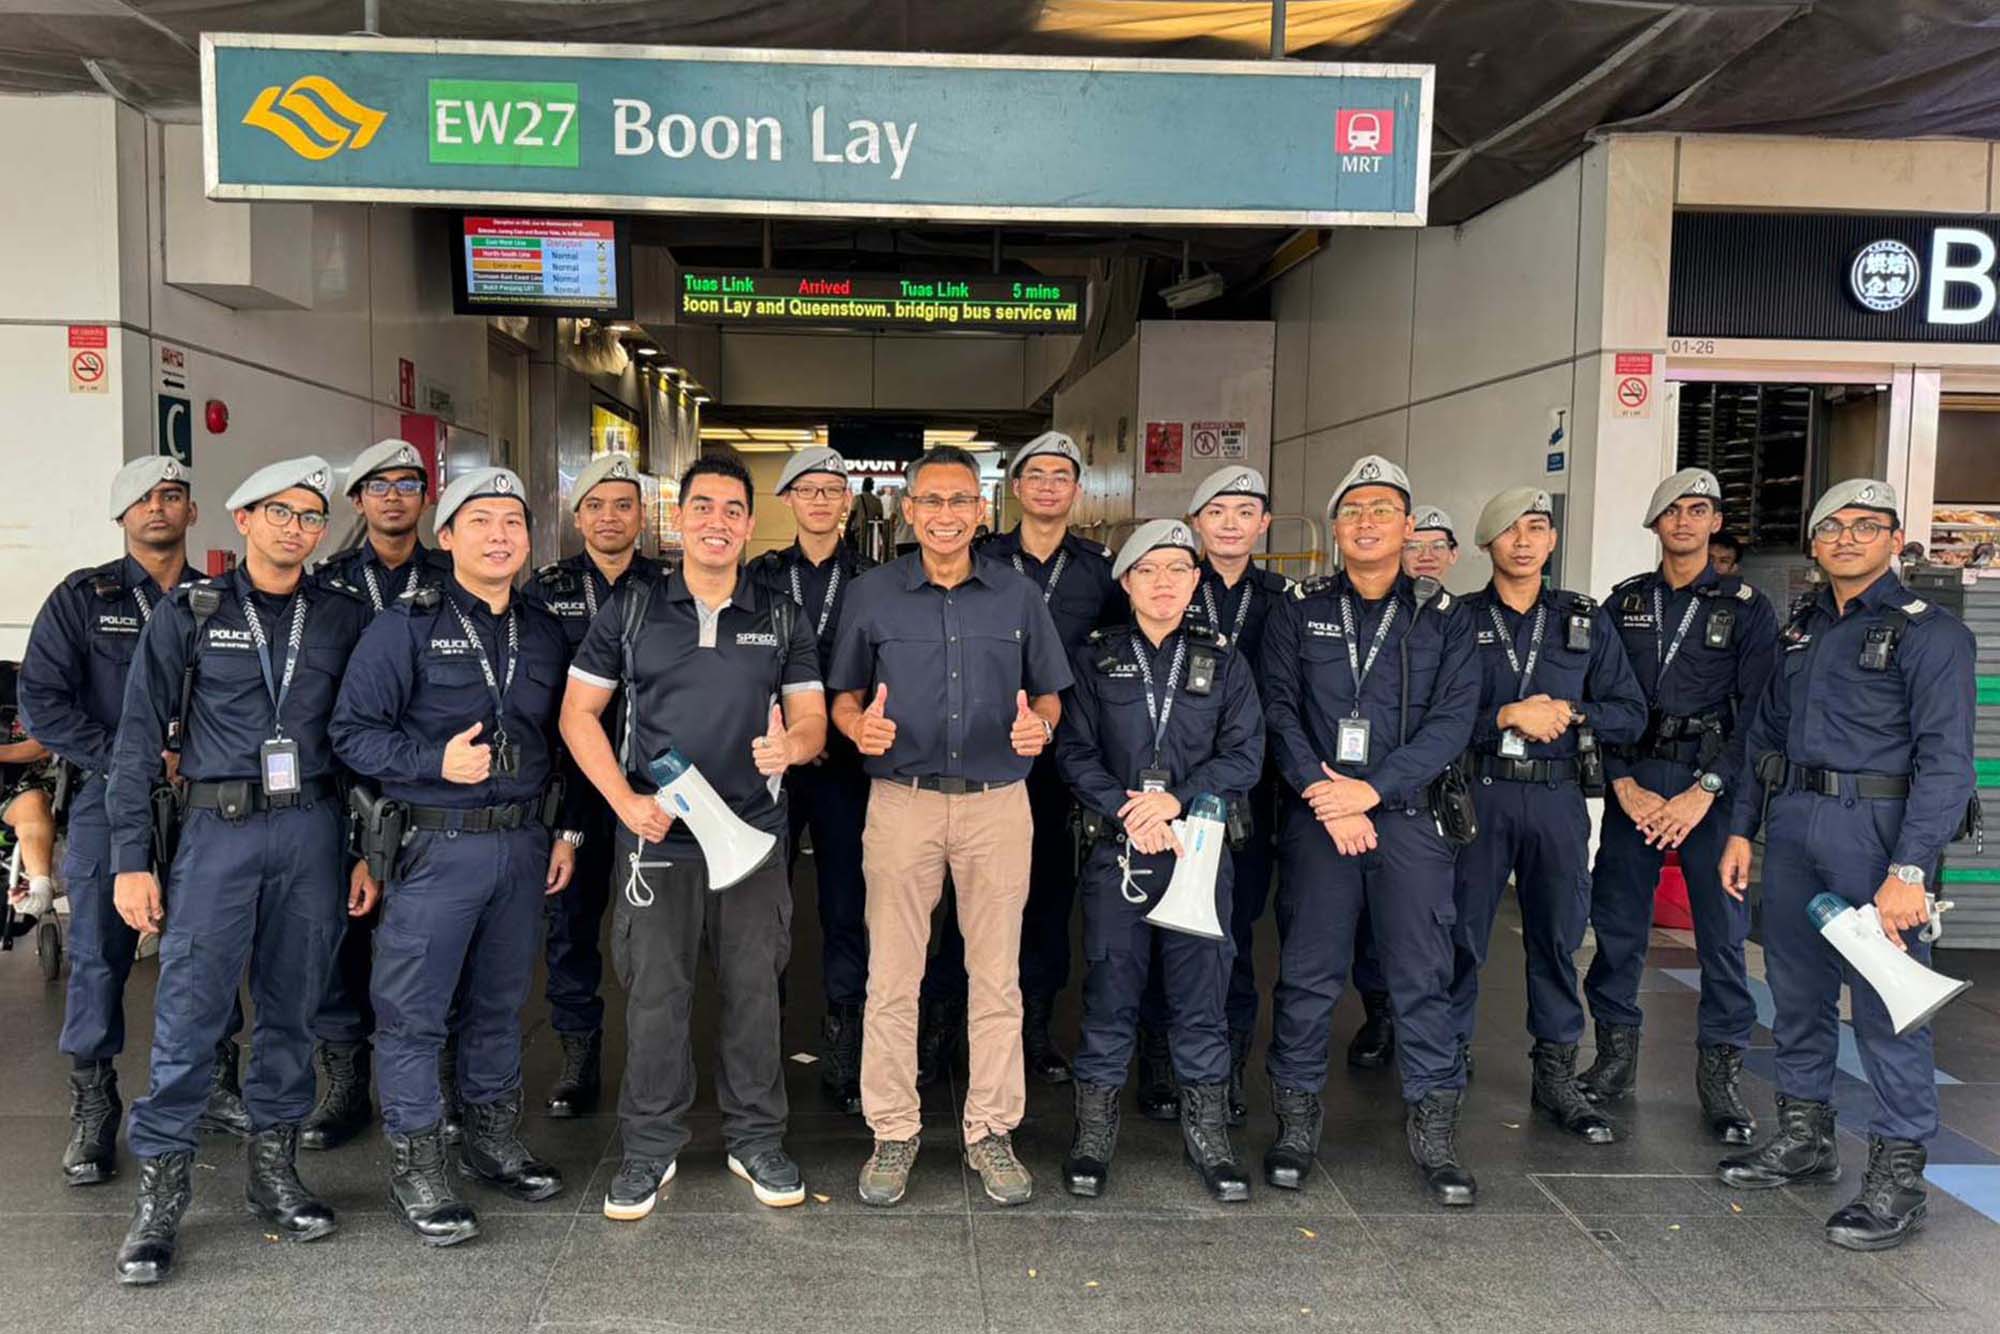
(450, 706)
(946, 671)
(1700, 643)
(1863, 738)
(1553, 679)
(248, 668)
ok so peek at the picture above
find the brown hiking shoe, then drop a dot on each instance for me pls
(886, 1174)
(1005, 1179)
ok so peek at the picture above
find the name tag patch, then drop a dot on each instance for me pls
(569, 608)
(756, 639)
(221, 636)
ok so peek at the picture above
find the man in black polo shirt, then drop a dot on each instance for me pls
(726, 673)
(937, 657)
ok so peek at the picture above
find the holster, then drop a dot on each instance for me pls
(1087, 826)
(1451, 805)
(1771, 770)
(1240, 825)
(1589, 762)
(168, 812)
(1972, 825)
(380, 826)
(552, 799)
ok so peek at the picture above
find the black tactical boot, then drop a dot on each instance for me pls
(492, 1151)
(94, 1109)
(1155, 1086)
(1615, 1072)
(1037, 1047)
(1891, 1203)
(575, 1089)
(274, 1192)
(1715, 1073)
(342, 1111)
(420, 1192)
(164, 1193)
(454, 1105)
(1802, 1149)
(1239, 1056)
(1289, 1160)
(1374, 1044)
(939, 1026)
(1093, 1141)
(225, 1113)
(1557, 1097)
(1205, 1137)
(840, 1057)
(1432, 1131)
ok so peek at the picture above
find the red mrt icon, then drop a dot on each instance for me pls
(1370, 133)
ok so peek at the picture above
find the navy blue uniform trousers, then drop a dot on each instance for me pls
(1622, 887)
(1406, 883)
(460, 907)
(266, 891)
(574, 948)
(1838, 845)
(832, 800)
(1249, 895)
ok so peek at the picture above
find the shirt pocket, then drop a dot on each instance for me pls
(993, 670)
(455, 687)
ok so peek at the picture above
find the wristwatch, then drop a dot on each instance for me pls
(573, 837)
(1711, 783)
(1909, 875)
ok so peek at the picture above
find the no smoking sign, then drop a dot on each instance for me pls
(89, 359)
(1632, 385)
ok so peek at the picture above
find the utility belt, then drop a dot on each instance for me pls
(481, 819)
(1500, 768)
(234, 798)
(383, 826)
(1089, 827)
(1695, 738)
(1778, 774)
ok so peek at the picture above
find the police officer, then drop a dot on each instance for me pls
(1369, 694)
(1161, 713)
(1551, 667)
(71, 688)
(726, 673)
(386, 485)
(829, 792)
(247, 667)
(1868, 725)
(1700, 643)
(450, 706)
(609, 512)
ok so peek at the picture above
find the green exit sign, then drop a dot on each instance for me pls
(485, 123)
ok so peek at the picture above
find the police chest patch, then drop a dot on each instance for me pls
(1640, 621)
(569, 608)
(1123, 671)
(756, 639)
(451, 646)
(1323, 629)
(1488, 637)
(118, 625)
(221, 636)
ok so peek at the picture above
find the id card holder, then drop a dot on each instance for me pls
(1513, 746)
(1351, 746)
(278, 761)
(1154, 780)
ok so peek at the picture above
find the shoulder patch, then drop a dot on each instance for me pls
(1581, 601)
(1915, 607)
(1633, 582)
(1745, 593)
(343, 588)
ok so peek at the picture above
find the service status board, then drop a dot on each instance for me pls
(882, 301)
(557, 262)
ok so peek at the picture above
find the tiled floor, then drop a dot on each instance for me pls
(1635, 1237)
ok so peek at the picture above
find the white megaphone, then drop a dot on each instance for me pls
(1912, 992)
(1189, 903)
(731, 848)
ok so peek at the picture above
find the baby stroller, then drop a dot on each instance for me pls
(54, 778)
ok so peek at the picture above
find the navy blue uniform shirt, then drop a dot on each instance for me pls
(704, 690)
(72, 684)
(415, 682)
(1700, 679)
(1598, 680)
(230, 715)
(1213, 742)
(1308, 687)
(574, 590)
(1075, 582)
(789, 574)
(361, 571)
(954, 659)
(1239, 612)
(1824, 710)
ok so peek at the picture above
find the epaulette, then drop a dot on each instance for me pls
(1632, 582)
(1728, 586)
(1204, 633)
(336, 584)
(1745, 592)
(1582, 602)
(1430, 593)
(1801, 604)
(1916, 607)
(420, 597)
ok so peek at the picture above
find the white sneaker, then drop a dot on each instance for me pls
(636, 1188)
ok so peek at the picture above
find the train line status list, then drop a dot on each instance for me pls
(897, 301)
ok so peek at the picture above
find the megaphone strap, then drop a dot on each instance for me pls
(637, 892)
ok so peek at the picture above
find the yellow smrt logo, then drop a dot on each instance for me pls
(322, 119)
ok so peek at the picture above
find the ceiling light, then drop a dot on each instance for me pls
(1193, 291)
(645, 351)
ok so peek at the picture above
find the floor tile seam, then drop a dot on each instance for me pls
(549, 1282)
(1396, 1272)
(1590, 1236)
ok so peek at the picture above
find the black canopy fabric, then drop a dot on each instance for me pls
(1522, 86)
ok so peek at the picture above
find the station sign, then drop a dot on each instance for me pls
(880, 300)
(974, 138)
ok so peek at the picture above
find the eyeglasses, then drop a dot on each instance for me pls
(402, 486)
(1052, 480)
(280, 515)
(956, 504)
(1179, 569)
(1380, 512)
(819, 492)
(1864, 530)
(1438, 548)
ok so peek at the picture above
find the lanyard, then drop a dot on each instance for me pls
(374, 589)
(590, 593)
(1156, 712)
(1055, 572)
(145, 604)
(1242, 610)
(495, 687)
(1355, 665)
(1663, 651)
(826, 607)
(278, 688)
(1524, 675)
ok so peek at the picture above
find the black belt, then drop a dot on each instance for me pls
(474, 820)
(953, 787)
(1831, 783)
(1675, 737)
(238, 797)
(1524, 771)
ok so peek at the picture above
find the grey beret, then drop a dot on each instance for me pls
(1501, 511)
(1687, 482)
(1151, 536)
(311, 472)
(817, 459)
(604, 468)
(1229, 482)
(140, 476)
(1433, 518)
(1048, 442)
(476, 484)
(1372, 470)
(1857, 493)
(381, 457)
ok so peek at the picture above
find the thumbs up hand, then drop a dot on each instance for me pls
(773, 750)
(466, 760)
(1030, 735)
(877, 731)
